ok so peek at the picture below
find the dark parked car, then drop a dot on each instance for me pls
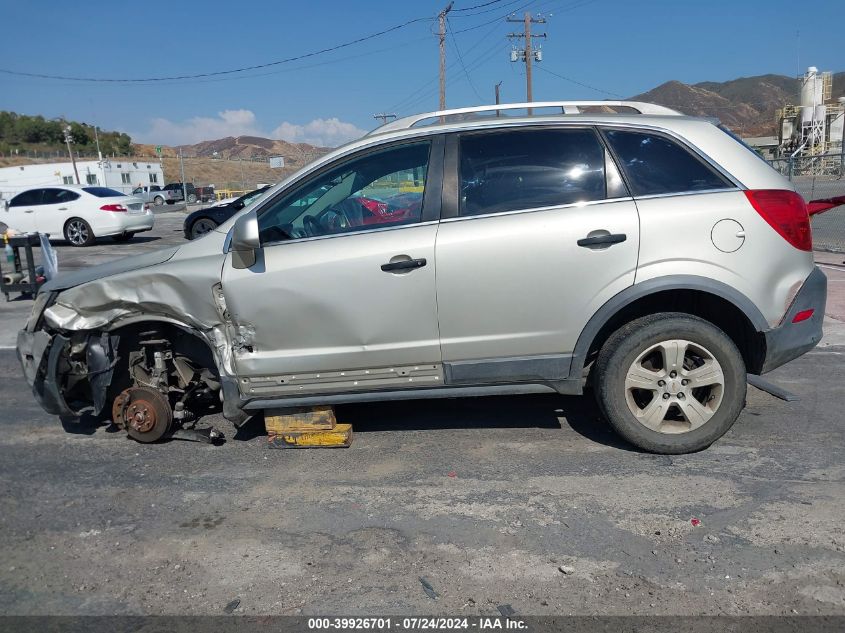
(201, 194)
(204, 220)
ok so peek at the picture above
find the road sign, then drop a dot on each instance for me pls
(158, 150)
(277, 162)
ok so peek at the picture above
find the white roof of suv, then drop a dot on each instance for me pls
(565, 107)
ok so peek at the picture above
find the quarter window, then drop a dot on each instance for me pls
(526, 169)
(381, 189)
(654, 165)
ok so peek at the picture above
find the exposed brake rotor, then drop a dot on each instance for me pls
(144, 413)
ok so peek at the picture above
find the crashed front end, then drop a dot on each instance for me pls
(147, 337)
(57, 364)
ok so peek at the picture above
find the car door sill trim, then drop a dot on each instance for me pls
(568, 387)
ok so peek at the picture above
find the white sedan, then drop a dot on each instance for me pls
(78, 214)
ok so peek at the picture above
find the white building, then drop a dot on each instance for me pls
(117, 173)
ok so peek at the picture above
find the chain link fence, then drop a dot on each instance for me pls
(817, 177)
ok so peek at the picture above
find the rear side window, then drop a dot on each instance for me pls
(57, 196)
(654, 165)
(526, 169)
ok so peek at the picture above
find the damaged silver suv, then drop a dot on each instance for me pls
(619, 246)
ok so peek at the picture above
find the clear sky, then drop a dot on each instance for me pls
(611, 47)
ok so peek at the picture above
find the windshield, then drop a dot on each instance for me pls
(251, 197)
(103, 192)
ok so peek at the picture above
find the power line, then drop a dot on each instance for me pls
(607, 92)
(487, 10)
(461, 60)
(479, 6)
(219, 72)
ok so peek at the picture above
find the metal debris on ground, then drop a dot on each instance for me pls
(429, 590)
(506, 610)
(234, 604)
(772, 389)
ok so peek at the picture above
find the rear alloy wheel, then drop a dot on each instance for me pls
(78, 232)
(158, 201)
(123, 237)
(192, 198)
(201, 227)
(670, 383)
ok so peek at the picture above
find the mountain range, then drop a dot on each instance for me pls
(747, 105)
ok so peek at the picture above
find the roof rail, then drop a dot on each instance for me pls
(566, 107)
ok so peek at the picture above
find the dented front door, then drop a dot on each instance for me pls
(326, 305)
(344, 283)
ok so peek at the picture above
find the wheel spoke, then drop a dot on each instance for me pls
(673, 355)
(695, 413)
(641, 378)
(710, 373)
(653, 413)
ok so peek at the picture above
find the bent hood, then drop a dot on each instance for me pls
(92, 273)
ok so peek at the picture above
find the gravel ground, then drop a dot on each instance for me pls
(527, 501)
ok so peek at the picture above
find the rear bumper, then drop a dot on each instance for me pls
(126, 223)
(790, 340)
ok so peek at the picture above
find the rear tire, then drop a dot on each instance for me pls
(670, 383)
(158, 201)
(78, 232)
(123, 237)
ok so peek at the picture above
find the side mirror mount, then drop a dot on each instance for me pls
(245, 241)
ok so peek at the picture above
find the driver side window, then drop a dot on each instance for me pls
(380, 189)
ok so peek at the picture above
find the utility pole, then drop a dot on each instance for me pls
(68, 139)
(97, 140)
(527, 54)
(441, 18)
(383, 117)
(182, 170)
(498, 100)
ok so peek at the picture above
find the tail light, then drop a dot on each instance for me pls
(114, 207)
(786, 213)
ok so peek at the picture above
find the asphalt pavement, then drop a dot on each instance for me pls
(526, 501)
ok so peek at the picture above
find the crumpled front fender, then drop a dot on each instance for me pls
(41, 374)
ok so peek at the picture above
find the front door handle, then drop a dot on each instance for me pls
(405, 264)
(62, 208)
(602, 240)
(30, 211)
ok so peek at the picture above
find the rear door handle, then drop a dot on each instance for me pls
(405, 264)
(62, 208)
(30, 211)
(602, 240)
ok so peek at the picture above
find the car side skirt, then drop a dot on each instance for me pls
(407, 394)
